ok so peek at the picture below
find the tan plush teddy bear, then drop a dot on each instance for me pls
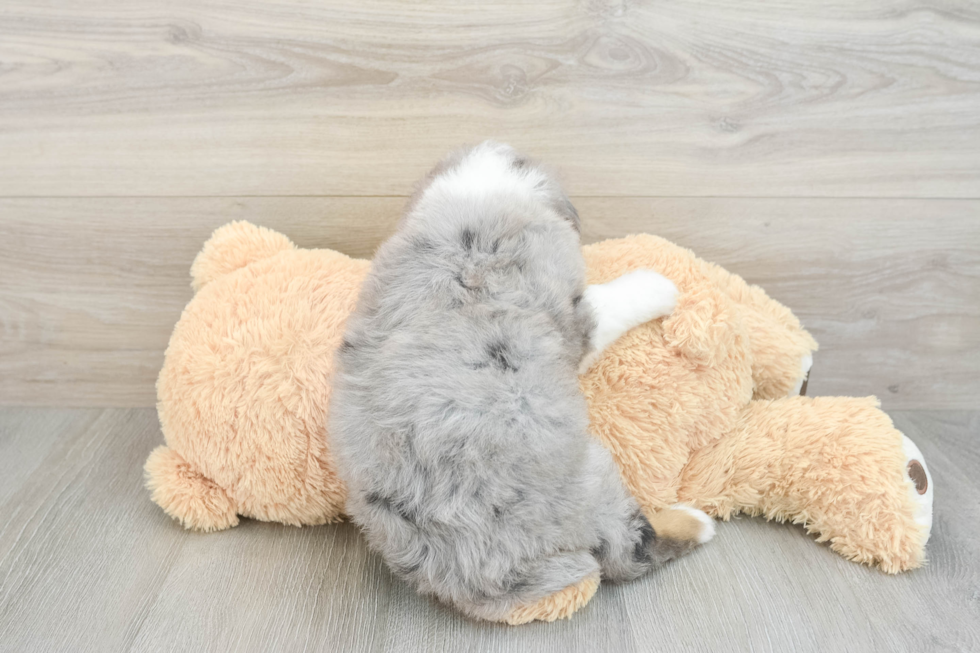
(700, 407)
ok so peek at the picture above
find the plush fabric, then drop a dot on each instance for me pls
(693, 407)
(244, 389)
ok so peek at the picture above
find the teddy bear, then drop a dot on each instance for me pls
(703, 407)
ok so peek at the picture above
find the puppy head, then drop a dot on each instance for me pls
(492, 173)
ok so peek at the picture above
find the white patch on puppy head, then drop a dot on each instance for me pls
(487, 169)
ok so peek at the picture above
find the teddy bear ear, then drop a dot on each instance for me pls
(234, 246)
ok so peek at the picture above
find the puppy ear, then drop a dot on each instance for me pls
(564, 207)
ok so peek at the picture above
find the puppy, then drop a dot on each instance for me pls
(457, 418)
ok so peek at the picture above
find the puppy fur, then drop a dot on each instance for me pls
(456, 417)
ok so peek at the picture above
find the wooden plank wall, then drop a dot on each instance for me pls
(828, 151)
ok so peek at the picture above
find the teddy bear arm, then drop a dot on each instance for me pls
(836, 465)
(187, 495)
(700, 326)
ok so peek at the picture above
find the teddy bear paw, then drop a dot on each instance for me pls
(800, 387)
(919, 484)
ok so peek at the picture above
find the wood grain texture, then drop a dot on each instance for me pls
(290, 97)
(88, 563)
(90, 288)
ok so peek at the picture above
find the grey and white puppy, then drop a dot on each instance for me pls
(456, 417)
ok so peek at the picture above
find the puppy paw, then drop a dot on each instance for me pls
(650, 295)
(704, 530)
(678, 530)
(681, 528)
(629, 301)
(623, 303)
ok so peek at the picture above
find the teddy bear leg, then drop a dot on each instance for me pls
(781, 356)
(837, 465)
(186, 495)
(560, 605)
(554, 587)
(781, 348)
(630, 545)
(918, 485)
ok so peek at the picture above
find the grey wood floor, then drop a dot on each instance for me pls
(88, 563)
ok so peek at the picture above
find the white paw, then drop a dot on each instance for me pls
(627, 302)
(805, 366)
(708, 524)
(919, 483)
(651, 295)
(624, 303)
